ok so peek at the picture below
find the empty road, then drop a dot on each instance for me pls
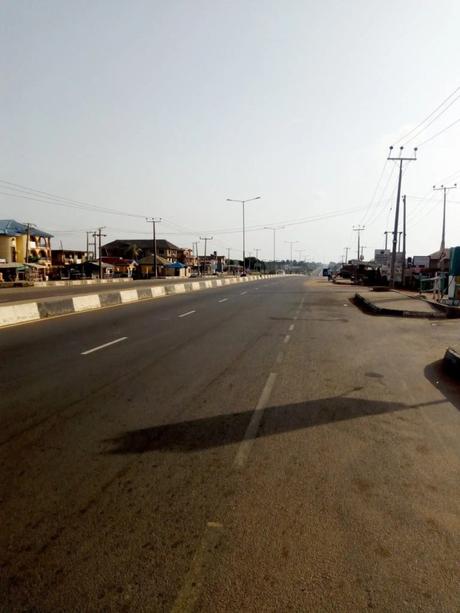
(260, 447)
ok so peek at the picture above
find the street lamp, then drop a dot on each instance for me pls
(243, 202)
(274, 229)
(291, 243)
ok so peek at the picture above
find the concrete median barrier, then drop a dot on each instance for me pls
(25, 312)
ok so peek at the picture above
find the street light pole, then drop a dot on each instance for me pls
(291, 243)
(243, 202)
(274, 229)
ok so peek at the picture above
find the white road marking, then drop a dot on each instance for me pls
(291, 327)
(287, 338)
(223, 300)
(118, 340)
(243, 293)
(188, 313)
(251, 432)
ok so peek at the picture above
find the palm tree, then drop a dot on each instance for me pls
(133, 251)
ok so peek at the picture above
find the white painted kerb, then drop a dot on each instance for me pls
(128, 295)
(85, 303)
(18, 313)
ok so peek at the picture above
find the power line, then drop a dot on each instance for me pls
(30, 194)
(428, 117)
(375, 192)
(431, 122)
(439, 133)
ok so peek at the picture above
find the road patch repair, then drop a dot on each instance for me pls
(396, 304)
(14, 313)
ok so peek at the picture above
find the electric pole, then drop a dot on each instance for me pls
(358, 229)
(27, 243)
(404, 240)
(154, 221)
(206, 239)
(387, 232)
(99, 235)
(90, 246)
(399, 241)
(399, 159)
(347, 249)
(444, 188)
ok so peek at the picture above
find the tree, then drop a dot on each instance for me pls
(133, 252)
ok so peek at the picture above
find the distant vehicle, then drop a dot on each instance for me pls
(326, 272)
(243, 274)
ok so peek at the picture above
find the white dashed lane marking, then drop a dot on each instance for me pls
(186, 314)
(118, 340)
(223, 300)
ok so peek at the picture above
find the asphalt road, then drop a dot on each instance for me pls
(24, 294)
(265, 447)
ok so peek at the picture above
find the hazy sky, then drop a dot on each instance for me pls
(168, 108)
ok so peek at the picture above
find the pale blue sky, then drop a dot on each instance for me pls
(168, 108)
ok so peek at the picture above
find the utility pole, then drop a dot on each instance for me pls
(387, 232)
(99, 235)
(195, 254)
(27, 243)
(444, 188)
(347, 249)
(359, 229)
(403, 270)
(399, 241)
(90, 245)
(206, 239)
(154, 221)
(243, 202)
(399, 159)
(274, 242)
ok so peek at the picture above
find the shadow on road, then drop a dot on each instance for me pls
(444, 382)
(219, 430)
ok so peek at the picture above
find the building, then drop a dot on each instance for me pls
(25, 251)
(122, 267)
(24, 243)
(147, 268)
(137, 249)
(68, 257)
(187, 257)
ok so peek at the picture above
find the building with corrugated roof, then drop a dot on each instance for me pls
(24, 243)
